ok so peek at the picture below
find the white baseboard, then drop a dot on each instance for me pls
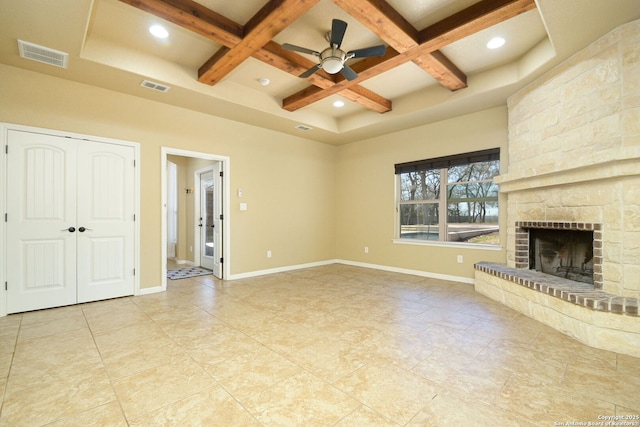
(279, 269)
(185, 261)
(152, 290)
(420, 273)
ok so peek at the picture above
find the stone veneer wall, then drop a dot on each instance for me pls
(574, 152)
(574, 158)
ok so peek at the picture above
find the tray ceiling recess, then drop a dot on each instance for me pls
(404, 43)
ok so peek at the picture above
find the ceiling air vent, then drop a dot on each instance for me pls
(155, 86)
(303, 128)
(43, 54)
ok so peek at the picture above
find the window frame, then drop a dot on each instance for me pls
(442, 164)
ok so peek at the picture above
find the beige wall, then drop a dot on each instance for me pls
(366, 204)
(288, 181)
(307, 202)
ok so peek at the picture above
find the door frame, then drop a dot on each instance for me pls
(4, 130)
(225, 167)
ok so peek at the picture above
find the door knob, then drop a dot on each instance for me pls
(82, 229)
(70, 229)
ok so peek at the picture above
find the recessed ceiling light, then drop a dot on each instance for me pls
(495, 43)
(338, 104)
(159, 31)
(264, 81)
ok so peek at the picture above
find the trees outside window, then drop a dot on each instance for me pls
(465, 209)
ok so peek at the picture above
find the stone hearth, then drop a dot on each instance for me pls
(568, 290)
(593, 317)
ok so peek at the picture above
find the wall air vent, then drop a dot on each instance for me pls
(43, 54)
(155, 86)
(303, 128)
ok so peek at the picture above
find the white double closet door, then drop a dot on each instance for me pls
(70, 221)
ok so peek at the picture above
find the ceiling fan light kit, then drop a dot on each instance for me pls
(333, 59)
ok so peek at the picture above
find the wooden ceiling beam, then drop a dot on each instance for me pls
(383, 20)
(274, 17)
(194, 17)
(367, 98)
(442, 69)
(471, 20)
(475, 18)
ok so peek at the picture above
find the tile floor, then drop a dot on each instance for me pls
(335, 345)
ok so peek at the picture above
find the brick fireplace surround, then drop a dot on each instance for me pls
(522, 243)
(574, 161)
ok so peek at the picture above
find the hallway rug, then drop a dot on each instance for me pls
(186, 272)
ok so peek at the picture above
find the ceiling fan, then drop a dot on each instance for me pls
(332, 59)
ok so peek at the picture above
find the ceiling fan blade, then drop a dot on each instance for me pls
(338, 28)
(310, 71)
(300, 49)
(348, 73)
(368, 51)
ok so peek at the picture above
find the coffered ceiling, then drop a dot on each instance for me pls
(219, 54)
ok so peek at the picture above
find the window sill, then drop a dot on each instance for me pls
(478, 246)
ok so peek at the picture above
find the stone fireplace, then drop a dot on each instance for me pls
(572, 193)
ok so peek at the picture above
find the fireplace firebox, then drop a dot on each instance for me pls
(562, 253)
(570, 250)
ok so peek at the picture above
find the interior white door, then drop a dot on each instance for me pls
(217, 219)
(41, 222)
(207, 225)
(106, 209)
(70, 223)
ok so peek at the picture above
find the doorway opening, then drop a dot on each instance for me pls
(201, 213)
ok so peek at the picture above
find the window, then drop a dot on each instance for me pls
(449, 199)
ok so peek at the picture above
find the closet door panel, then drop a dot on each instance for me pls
(41, 221)
(105, 221)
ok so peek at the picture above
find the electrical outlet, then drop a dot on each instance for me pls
(459, 259)
(190, 248)
(366, 249)
(268, 254)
